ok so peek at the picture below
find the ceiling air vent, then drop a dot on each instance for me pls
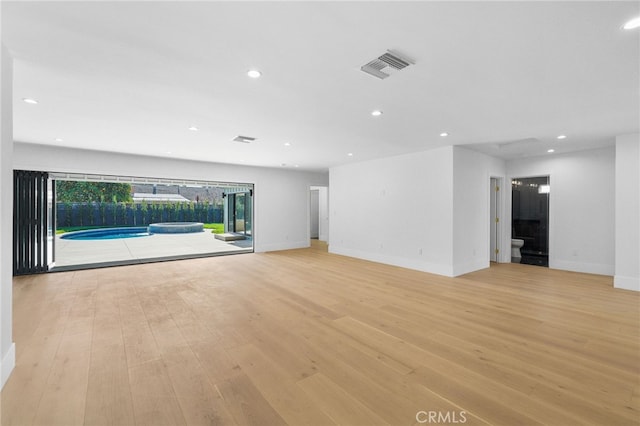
(386, 65)
(244, 139)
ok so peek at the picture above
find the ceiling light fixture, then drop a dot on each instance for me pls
(30, 101)
(254, 73)
(551, 150)
(287, 144)
(561, 137)
(444, 134)
(350, 154)
(376, 113)
(193, 128)
(632, 24)
(58, 139)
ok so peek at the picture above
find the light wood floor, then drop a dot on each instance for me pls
(305, 337)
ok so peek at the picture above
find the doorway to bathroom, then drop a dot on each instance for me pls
(530, 220)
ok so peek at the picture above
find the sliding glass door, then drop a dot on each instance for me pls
(239, 212)
(118, 220)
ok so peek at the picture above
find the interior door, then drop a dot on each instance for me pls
(494, 220)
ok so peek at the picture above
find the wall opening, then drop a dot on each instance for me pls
(119, 220)
(319, 213)
(530, 220)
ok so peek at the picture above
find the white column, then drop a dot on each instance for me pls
(7, 347)
(627, 271)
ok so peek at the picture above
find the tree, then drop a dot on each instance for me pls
(87, 192)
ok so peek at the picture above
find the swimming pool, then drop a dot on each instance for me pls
(107, 234)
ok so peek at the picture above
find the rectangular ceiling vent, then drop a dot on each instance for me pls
(386, 65)
(244, 139)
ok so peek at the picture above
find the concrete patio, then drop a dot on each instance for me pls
(90, 252)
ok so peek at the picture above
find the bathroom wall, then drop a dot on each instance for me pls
(581, 207)
(427, 211)
(281, 200)
(472, 172)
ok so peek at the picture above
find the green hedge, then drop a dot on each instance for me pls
(130, 214)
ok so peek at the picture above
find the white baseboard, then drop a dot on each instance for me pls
(281, 246)
(465, 268)
(584, 267)
(415, 264)
(626, 283)
(7, 364)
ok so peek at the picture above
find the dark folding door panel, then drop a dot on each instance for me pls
(29, 222)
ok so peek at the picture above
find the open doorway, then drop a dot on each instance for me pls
(319, 213)
(530, 220)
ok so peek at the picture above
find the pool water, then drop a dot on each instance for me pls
(107, 234)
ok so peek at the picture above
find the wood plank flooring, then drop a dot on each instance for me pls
(304, 337)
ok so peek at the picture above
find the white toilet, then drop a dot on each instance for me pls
(516, 244)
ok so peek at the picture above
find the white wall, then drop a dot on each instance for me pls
(627, 229)
(396, 210)
(581, 207)
(281, 200)
(472, 172)
(7, 347)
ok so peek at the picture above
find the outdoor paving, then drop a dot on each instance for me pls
(83, 252)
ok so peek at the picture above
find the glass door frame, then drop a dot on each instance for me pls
(231, 212)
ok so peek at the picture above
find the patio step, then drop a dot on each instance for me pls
(228, 236)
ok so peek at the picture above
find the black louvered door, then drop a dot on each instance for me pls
(30, 222)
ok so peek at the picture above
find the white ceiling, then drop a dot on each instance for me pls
(506, 77)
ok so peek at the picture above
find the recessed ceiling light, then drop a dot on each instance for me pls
(193, 128)
(287, 144)
(350, 154)
(634, 23)
(376, 113)
(561, 137)
(551, 150)
(58, 140)
(254, 73)
(444, 134)
(296, 166)
(168, 152)
(30, 101)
